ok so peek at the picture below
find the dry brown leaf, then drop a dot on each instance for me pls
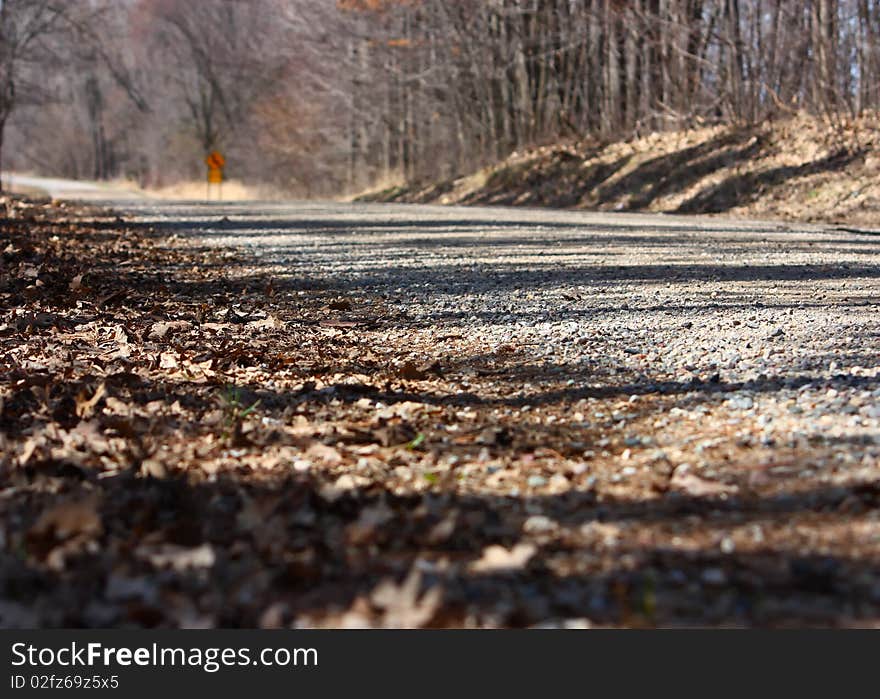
(601, 534)
(444, 529)
(497, 559)
(301, 427)
(340, 305)
(68, 519)
(395, 433)
(371, 519)
(344, 484)
(153, 468)
(273, 616)
(326, 454)
(267, 323)
(85, 407)
(64, 530)
(167, 361)
(159, 331)
(691, 484)
(30, 446)
(408, 410)
(403, 607)
(411, 372)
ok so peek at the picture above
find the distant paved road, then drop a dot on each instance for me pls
(68, 189)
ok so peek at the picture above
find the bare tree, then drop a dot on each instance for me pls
(220, 59)
(24, 28)
(319, 96)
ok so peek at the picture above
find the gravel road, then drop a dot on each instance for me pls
(778, 321)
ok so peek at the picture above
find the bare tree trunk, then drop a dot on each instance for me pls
(3, 120)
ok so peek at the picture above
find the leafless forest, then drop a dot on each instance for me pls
(318, 97)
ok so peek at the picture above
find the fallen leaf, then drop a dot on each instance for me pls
(339, 305)
(494, 436)
(68, 519)
(370, 520)
(76, 282)
(163, 329)
(30, 446)
(411, 372)
(267, 323)
(326, 454)
(403, 607)
(691, 484)
(497, 559)
(167, 361)
(273, 616)
(65, 530)
(153, 469)
(601, 534)
(444, 529)
(344, 484)
(85, 407)
(396, 433)
(432, 368)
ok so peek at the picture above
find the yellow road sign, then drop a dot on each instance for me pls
(215, 161)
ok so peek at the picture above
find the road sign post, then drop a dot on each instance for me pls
(215, 162)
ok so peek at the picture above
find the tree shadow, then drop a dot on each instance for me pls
(746, 188)
(677, 171)
(557, 180)
(308, 554)
(561, 181)
(477, 279)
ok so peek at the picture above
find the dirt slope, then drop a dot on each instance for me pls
(798, 169)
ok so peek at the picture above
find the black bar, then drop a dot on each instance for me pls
(413, 663)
